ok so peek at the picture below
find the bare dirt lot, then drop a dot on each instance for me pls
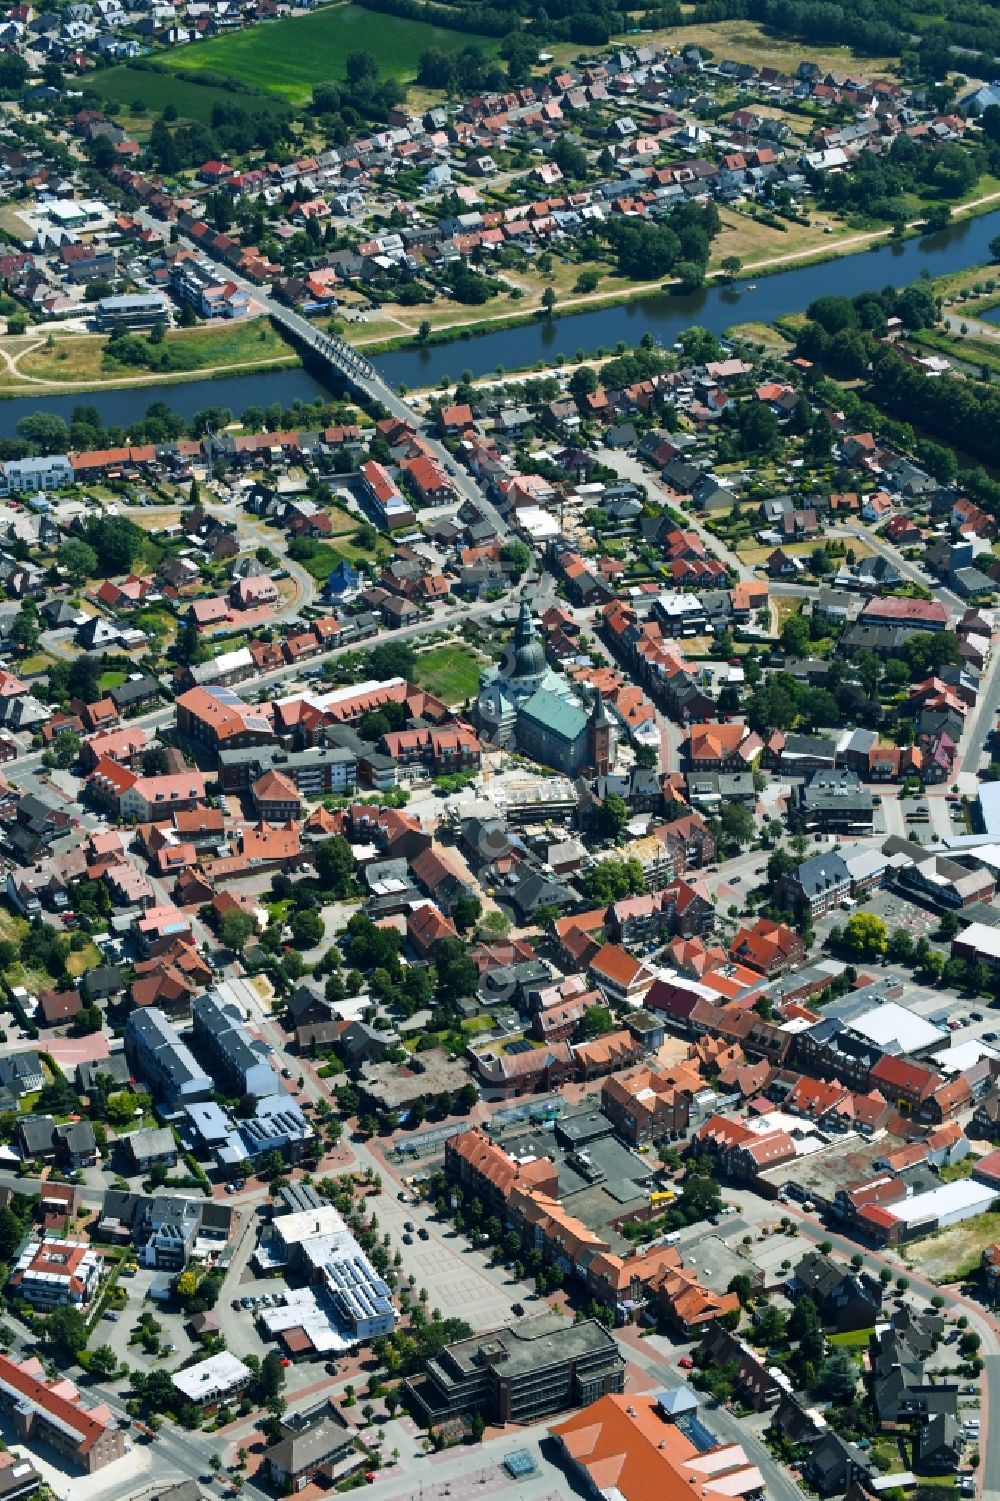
(953, 1254)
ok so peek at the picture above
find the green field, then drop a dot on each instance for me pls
(451, 673)
(289, 57)
(126, 85)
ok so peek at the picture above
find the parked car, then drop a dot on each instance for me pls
(685, 1363)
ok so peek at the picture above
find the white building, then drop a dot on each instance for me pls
(947, 1205)
(51, 1273)
(214, 1380)
(347, 1302)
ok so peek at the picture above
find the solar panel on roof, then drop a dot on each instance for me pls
(696, 1431)
(521, 1046)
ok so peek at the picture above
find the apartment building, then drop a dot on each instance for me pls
(51, 1273)
(242, 1064)
(645, 1106)
(53, 1413)
(217, 719)
(158, 1057)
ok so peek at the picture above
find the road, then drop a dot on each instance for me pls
(988, 1476)
(978, 724)
(366, 380)
(156, 719)
(909, 570)
(652, 1353)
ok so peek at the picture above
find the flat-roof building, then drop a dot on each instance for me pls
(520, 1373)
(214, 1380)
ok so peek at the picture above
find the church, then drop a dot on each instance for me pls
(523, 704)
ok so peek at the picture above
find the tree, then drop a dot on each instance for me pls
(66, 1329)
(88, 1019)
(772, 1326)
(737, 823)
(103, 1363)
(78, 560)
(518, 557)
(121, 1108)
(611, 880)
(548, 300)
(595, 1022)
(117, 542)
(795, 635)
(702, 1197)
(613, 815)
(154, 761)
(307, 928)
(187, 1283)
(46, 432)
(466, 912)
(742, 1286)
(393, 659)
(948, 925)
(361, 68)
(804, 1326)
(731, 265)
(779, 865)
(11, 1235)
(583, 381)
(838, 1378)
(866, 935)
(272, 1163)
(457, 974)
(66, 748)
(24, 629)
(758, 428)
(236, 927)
(272, 1376)
(334, 862)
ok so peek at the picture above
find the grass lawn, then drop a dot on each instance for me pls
(289, 57)
(127, 86)
(761, 333)
(746, 42)
(975, 349)
(325, 559)
(753, 241)
(450, 672)
(784, 607)
(851, 1339)
(38, 662)
(88, 958)
(113, 678)
(151, 552)
(80, 359)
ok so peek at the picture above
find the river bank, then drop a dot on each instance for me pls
(822, 253)
(963, 245)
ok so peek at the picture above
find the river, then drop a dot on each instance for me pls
(664, 316)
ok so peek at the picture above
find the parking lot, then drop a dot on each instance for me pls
(115, 1327)
(919, 922)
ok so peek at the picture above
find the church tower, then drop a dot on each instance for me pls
(599, 738)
